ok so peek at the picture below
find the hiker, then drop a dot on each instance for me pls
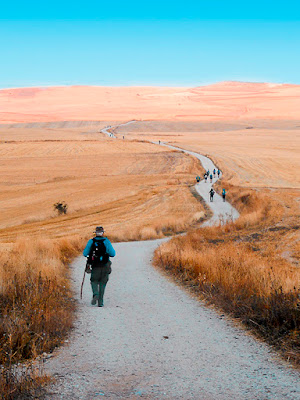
(224, 194)
(159, 142)
(205, 177)
(211, 177)
(219, 173)
(198, 179)
(211, 194)
(98, 250)
(214, 171)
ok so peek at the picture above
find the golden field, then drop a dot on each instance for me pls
(126, 186)
(252, 153)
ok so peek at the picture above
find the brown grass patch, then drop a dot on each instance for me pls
(36, 308)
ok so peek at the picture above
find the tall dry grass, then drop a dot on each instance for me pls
(238, 267)
(158, 228)
(36, 308)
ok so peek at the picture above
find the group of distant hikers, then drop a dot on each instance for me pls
(212, 175)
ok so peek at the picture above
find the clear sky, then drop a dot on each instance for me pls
(166, 43)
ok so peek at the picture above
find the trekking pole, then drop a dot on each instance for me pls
(82, 285)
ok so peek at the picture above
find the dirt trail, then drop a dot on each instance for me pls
(152, 340)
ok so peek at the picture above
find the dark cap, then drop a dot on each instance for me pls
(99, 229)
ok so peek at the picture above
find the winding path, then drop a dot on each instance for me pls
(152, 340)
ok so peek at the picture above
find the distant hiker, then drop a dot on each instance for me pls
(211, 177)
(224, 194)
(198, 179)
(205, 177)
(214, 171)
(207, 172)
(123, 137)
(159, 142)
(98, 250)
(211, 194)
(219, 173)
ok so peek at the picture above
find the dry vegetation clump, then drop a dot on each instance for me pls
(238, 268)
(36, 310)
(22, 382)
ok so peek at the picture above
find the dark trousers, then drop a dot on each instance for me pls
(99, 279)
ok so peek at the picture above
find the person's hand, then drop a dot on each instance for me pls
(88, 269)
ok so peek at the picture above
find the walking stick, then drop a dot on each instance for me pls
(82, 284)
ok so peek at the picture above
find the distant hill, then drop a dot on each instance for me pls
(220, 101)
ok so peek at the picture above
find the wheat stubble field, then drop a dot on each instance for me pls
(123, 185)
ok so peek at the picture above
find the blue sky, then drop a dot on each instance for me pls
(167, 43)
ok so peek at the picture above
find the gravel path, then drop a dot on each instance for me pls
(152, 340)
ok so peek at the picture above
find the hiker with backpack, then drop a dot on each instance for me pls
(211, 194)
(198, 179)
(211, 178)
(224, 195)
(219, 173)
(98, 250)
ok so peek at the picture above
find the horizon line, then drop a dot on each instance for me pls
(146, 86)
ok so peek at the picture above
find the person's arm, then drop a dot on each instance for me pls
(87, 249)
(109, 249)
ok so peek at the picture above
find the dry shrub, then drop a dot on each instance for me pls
(36, 311)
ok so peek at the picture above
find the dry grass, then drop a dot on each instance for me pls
(36, 308)
(239, 268)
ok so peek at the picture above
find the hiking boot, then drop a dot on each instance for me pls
(94, 300)
(100, 303)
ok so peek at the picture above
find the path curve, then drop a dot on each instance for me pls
(107, 129)
(222, 211)
(152, 340)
